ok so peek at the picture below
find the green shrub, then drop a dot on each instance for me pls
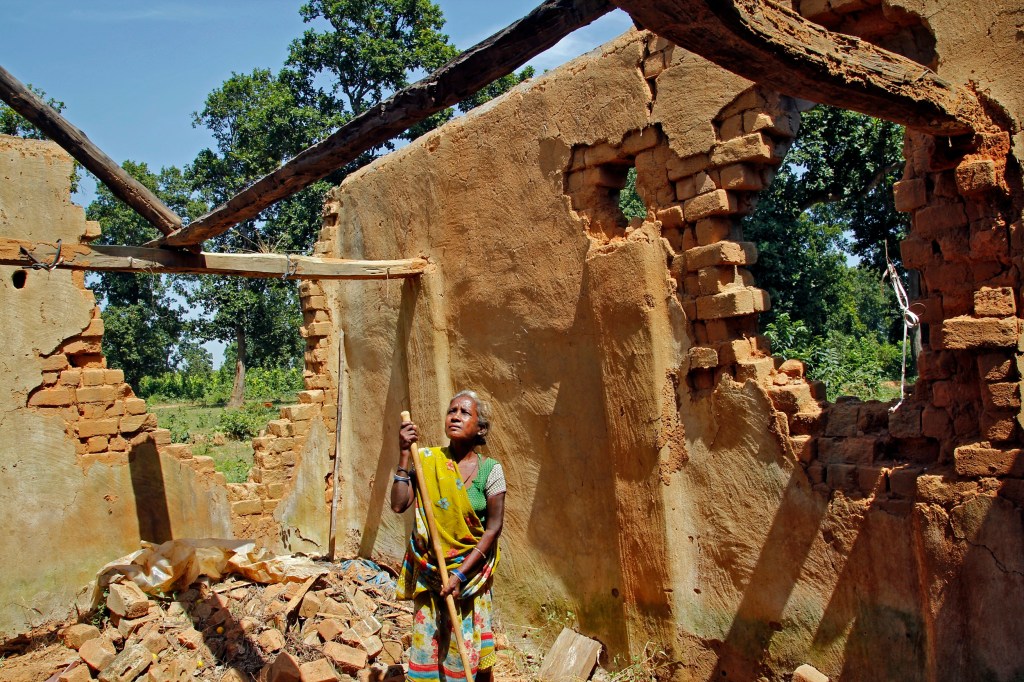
(244, 423)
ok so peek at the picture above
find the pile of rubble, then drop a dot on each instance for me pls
(341, 624)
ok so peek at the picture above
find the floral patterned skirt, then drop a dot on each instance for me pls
(432, 633)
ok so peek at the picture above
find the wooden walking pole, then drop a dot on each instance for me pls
(435, 540)
(333, 536)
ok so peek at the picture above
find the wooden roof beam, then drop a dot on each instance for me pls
(164, 261)
(774, 46)
(493, 58)
(74, 141)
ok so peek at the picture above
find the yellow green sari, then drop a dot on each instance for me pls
(459, 529)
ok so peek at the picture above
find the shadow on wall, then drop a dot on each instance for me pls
(150, 494)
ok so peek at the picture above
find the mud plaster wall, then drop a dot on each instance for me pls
(81, 478)
(669, 482)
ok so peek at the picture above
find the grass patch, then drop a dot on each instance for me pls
(201, 426)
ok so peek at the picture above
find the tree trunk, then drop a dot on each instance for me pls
(238, 391)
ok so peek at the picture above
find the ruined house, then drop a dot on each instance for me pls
(670, 483)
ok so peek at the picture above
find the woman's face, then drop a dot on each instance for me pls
(461, 423)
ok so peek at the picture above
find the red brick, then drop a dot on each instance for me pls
(319, 670)
(718, 202)
(933, 220)
(53, 397)
(849, 450)
(349, 659)
(711, 230)
(678, 168)
(701, 357)
(905, 422)
(871, 479)
(976, 176)
(728, 304)
(97, 394)
(910, 194)
(936, 423)
(754, 147)
(792, 398)
(842, 477)
(97, 427)
(741, 177)
(917, 253)
(135, 422)
(842, 419)
(98, 653)
(285, 668)
(903, 481)
(74, 636)
(994, 302)
(962, 333)
(976, 460)
(998, 426)
(298, 413)
(990, 244)
(758, 370)
(803, 447)
(1002, 395)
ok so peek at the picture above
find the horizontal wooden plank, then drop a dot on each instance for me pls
(163, 261)
(475, 68)
(74, 141)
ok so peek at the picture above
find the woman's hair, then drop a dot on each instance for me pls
(483, 412)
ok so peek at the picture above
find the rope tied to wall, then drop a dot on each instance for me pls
(910, 319)
(41, 265)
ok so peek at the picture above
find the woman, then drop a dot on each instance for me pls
(467, 491)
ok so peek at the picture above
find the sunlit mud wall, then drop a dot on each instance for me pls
(671, 485)
(84, 472)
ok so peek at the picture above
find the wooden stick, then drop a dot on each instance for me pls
(475, 68)
(332, 542)
(772, 45)
(74, 141)
(435, 539)
(159, 261)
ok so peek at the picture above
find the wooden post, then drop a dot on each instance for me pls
(74, 141)
(333, 537)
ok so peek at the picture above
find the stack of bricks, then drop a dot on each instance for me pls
(102, 415)
(276, 450)
(966, 240)
(698, 201)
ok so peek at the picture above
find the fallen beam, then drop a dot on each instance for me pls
(163, 261)
(774, 46)
(74, 141)
(475, 68)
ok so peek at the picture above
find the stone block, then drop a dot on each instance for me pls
(319, 670)
(998, 426)
(903, 482)
(96, 394)
(310, 606)
(732, 303)
(934, 220)
(741, 177)
(976, 176)
(917, 253)
(990, 244)
(910, 194)
(871, 479)
(936, 423)
(53, 397)
(136, 422)
(848, 449)
(127, 665)
(679, 168)
(753, 148)
(330, 628)
(1001, 396)
(97, 653)
(711, 230)
(271, 640)
(78, 673)
(246, 507)
(285, 668)
(792, 398)
(74, 636)
(731, 352)
(348, 658)
(804, 448)
(638, 140)
(127, 600)
(994, 302)
(298, 413)
(702, 357)
(717, 202)
(95, 377)
(841, 477)
(978, 460)
(721, 253)
(759, 370)
(685, 189)
(731, 127)
(905, 422)
(806, 672)
(316, 396)
(134, 406)
(97, 427)
(995, 367)
(54, 363)
(963, 333)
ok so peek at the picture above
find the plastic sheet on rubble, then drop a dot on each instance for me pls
(176, 564)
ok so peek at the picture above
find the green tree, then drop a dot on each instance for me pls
(145, 326)
(822, 226)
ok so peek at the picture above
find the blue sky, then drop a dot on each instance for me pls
(131, 73)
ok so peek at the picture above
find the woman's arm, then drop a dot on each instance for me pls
(495, 522)
(402, 494)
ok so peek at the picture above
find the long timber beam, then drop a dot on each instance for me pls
(475, 68)
(163, 261)
(74, 141)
